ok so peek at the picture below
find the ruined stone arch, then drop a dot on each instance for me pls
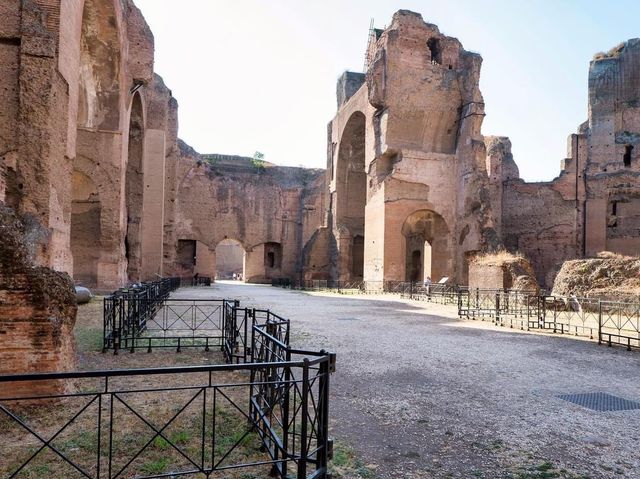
(351, 197)
(428, 248)
(231, 258)
(100, 66)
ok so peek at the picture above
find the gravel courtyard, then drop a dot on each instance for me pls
(419, 393)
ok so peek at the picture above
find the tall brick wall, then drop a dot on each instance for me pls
(37, 310)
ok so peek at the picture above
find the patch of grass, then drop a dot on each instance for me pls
(346, 464)
(161, 443)
(89, 339)
(89, 325)
(545, 470)
(85, 440)
(157, 466)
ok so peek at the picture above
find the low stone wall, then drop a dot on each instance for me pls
(37, 311)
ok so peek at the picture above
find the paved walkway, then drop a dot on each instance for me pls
(420, 394)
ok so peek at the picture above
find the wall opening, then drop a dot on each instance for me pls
(134, 191)
(357, 265)
(627, 155)
(436, 53)
(351, 194)
(427, 246)
(230, 260)
(272, 256)
(85, 229)
(186, 257)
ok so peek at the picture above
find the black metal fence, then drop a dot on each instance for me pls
(195, 281)
(131, 307)
(342, 287)
(610, 322)
(273, 423)
(265, 412)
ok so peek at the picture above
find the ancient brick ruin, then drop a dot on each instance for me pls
(413, 180)
(91, 163)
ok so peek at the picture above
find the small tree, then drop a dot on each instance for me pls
(258, 160)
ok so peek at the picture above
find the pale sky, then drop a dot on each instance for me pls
(260, 75)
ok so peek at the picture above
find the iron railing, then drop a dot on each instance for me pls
(282, 403)
(279, 421)
(610, 322)
(195, 281)
(132, 306)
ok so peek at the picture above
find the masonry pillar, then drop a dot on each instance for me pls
(205, 260)
(254, 265)
(153, 207)
(374, 240)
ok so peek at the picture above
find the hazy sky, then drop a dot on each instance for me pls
(260, 74)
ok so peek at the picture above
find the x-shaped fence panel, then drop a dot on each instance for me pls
(167, 422)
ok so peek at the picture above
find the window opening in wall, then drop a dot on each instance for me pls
(627, 155)
(614, 208)
(434, 47)
(271, 259)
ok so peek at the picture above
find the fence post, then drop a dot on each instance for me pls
(599, 321)
(105, 323)
(285, 415)
(323, 413)
(304, 407)
(117, 330)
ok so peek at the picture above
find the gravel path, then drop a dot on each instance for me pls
(421, 394)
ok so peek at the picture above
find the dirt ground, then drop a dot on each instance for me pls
(419, 393)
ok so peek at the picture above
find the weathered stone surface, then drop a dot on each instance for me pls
(609, 276)
(267, 209)
(594, 204)
(502, 270)
(37, 311)
(407, 160)
(91, 162)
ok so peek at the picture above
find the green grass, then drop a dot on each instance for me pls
(545, 470)
(347, 465)
(157, 466)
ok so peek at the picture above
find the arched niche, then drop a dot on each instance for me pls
(86, 210)
(99, 70)
(427, 246)
(351, 193)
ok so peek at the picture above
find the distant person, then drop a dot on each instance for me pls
(427, 284)
(235, 276)
(195, 279)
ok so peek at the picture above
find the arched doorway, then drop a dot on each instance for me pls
(230, 260)
(85, 225)
(351, 196)
(427, 249)
(134, 190)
